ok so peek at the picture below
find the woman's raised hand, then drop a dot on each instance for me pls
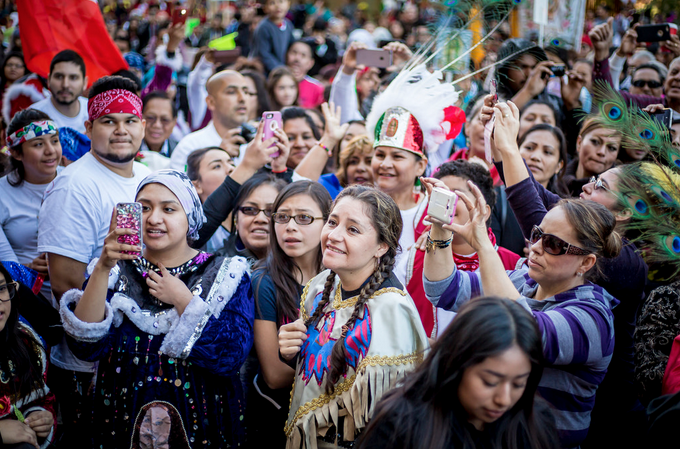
(168, 288)
(113, 251)
(334, 130)
(291, 338)
(474, 231)
(506, 127)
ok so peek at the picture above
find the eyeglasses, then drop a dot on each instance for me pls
(8, 290)
(599, 184)
(301, 219)
(14, 66)
(253, 211)
(555, 245)
(651, 83)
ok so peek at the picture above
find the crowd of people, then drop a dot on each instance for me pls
(278, 244)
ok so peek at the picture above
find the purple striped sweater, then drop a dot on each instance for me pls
(577, 327)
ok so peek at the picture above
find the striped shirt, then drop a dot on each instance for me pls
(577, 328)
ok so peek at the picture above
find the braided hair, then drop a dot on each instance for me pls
(386, 220)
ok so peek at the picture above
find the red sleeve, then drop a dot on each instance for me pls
(671, 378)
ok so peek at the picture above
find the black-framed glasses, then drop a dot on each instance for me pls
(301, 219)
(599, 184)
(555, 245)
(253, 211)
(7, 291)
(651, 83)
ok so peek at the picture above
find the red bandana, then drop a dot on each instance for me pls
(114, 101)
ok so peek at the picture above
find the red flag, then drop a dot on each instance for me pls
(48, 27)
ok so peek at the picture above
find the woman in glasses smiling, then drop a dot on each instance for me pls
(573, 315)
(301, 210)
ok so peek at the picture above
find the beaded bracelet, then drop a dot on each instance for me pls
(432, 245)
(325, 148)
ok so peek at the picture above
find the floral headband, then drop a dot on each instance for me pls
(30, 132)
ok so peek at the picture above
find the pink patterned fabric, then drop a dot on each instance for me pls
(114, 101)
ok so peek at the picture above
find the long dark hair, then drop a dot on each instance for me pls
(555, 184)
(21, 119)
(386, 220)
(11, 54)
(20, 348)
(425, 409)
(262, 96)
(281, 267)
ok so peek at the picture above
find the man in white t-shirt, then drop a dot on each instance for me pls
(74, 220)
(66, 82)
(227, 95)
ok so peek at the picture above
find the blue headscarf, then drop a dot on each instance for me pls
(180, 184)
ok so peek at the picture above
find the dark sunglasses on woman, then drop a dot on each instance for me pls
(555, 245)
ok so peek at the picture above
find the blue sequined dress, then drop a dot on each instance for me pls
(147, 352)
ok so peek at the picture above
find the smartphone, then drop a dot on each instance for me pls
(442, 205)
(381, 59)
(179, 16)
(559, 70)
(226, 56)
(129, 216)
(653, 33)
(272, 120)
(664, 117)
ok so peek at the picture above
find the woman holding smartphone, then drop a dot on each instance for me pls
(167, 323)
(358, 333)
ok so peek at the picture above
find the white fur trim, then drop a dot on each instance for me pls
(113, 274)
(187, 328)
(182, 336)
(80, 330)
(15, 91)
(175, 63)
(422, 94)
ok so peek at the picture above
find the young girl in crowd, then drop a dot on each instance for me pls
(207, 168)
(455, 175)
(476, 388)
(358, 332)
(300, 212)
(282, 88)
(544, 149)
(553, 287)
(537, 112)
(13, 68)
(171, 324)
(33, 141)
(623, 277)
(597, 148)
(249, 231)
(27, 413)
(354, 168)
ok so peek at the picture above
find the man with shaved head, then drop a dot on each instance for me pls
(227, 100)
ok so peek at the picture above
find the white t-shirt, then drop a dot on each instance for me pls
(206, 137)
(77, 122)
(406, 241)
(76, 210)
(74, 220)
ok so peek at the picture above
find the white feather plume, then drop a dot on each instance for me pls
(422, 94)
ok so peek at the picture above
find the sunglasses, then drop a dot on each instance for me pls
(599, 184)
(555, 245)
(253, 211)
(301, 219)
(651, 83)
(8, 290)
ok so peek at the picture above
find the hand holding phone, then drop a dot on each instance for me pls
(381, 59)
(179, 16)
(272, 120)
(653, 33)
(442, 205)
(129, 216)
(665, 117)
